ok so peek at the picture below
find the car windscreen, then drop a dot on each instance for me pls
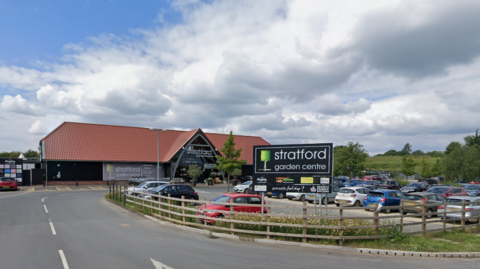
(247, 183)
(5, 179)
(472, 187)
(437, 190)
(454, 201)
(221, 199)
(159, 188)
(346, 191)
(375, 194)
(370, 182)
(413, 185)
(412, 197)
(141, 185)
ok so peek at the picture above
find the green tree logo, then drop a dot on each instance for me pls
(265, 157)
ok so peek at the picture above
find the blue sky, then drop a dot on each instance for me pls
(33, 30)
(379, 72)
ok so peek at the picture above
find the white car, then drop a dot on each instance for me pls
(145, 187)
(351, 196)
(300, 196)
(242, 188)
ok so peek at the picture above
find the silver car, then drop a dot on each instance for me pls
(330, 197)
(472, 208)
(145, 187)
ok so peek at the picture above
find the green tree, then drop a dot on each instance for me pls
(437, 168)
(31, 154)
(236, 172)
(425, 169)
(349, 160)
(408, 165)
(418, 153)
(407, 149)
(230, 159)
(452, 146)
(471, 140)
(391, 152)
(194, 171)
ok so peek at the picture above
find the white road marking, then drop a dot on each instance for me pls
(51, 226)
(159, 265)
(13, 195)
(202, 191)
(46, 210)
(64, 260)
(43, 199)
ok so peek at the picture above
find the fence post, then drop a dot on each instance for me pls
(445, 215)
(204, 213)
(183, 209)
(401, 216)
(304, 216)
(268, 220)
(375, 222)
(424, 219)
(232, 217)
(169, 208)
(340, 211)
(110, 191)
(143, 202)
(463, 214)
(125, 195)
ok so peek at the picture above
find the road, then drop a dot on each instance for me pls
(66, 229)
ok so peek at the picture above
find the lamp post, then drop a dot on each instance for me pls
(158, 149)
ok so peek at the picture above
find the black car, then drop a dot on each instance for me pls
(175, 191)
(390, 185)
(415, 187)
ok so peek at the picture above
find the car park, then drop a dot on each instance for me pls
(415, 187)
(382, 198)
(351, 196)
(455, 205)
(390, 184)
(242, 188)
(247, 203)
(448, 191)
(145, 187)
(8, 183)
(429, 201)
(174, 190)
(472, 189)
(324, 197)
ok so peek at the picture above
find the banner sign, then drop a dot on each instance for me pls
(294, 159)
(126, 171)
(12, 168)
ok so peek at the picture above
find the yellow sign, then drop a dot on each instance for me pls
(306, 180)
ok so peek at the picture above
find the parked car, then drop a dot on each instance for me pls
(175, 191)
(431, 200)
(242, 188)
(351, 196)
(448, 191)
(329, 197)
(429, 181)
(415, 187)
(472, 189)
(371, 184)
(472, 208)
(383, 198)
(246, 200)
(297, 196)
(368, 178)
(8, 183)
(145, 187)
(353, 182)
(278, 194)
(390, 184)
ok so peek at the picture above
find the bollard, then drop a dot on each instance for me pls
(44, 183)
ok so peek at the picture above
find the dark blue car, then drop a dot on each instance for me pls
(383, 198)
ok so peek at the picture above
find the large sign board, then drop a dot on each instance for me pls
(304, 168)
(126, 171)
(294, 159)
(11, 168)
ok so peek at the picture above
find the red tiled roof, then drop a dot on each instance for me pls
(109, 143)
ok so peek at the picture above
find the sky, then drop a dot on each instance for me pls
(381, 73)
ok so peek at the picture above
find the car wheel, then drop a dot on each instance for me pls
(357, 203)
(429, 213)
(310, 202)
(281, 196)
(269, 196)
(289, 198)
(338, 205)
(302, 198)
(387, 210)
(245, 191)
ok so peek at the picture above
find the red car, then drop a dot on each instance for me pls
(447, 191)
(225, 199)
(8, 183)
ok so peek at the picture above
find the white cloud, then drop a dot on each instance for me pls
(382, 73)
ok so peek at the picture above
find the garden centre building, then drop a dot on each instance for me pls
(98, 152)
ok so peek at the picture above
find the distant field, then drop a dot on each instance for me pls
(393, 162)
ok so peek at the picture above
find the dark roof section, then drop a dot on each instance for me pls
(109, 143)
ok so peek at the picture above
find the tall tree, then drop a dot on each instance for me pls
(452, 146)
(471, 140)
(408, 165)
(437, 168)
(349, 160)
(230, 159)
(407, 149)
(425, 169)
